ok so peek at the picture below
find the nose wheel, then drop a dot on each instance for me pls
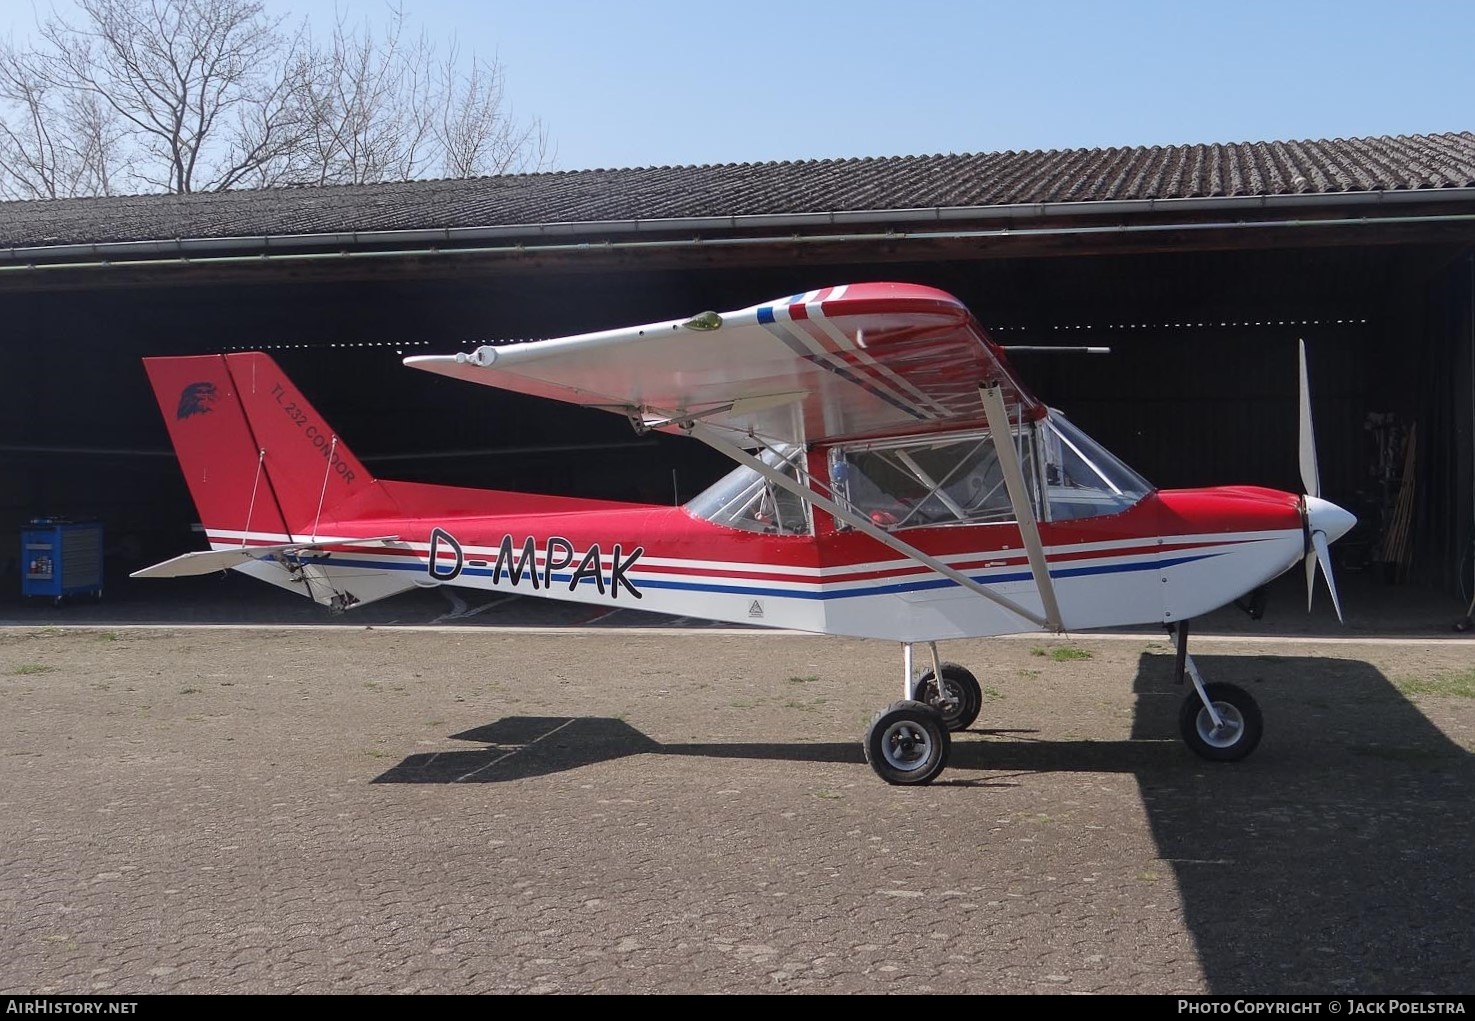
(1219, 722)
(1237, 731)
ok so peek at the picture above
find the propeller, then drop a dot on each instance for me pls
(1325, 521)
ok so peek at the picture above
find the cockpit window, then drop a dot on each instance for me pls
(1082, 478)
(942, 480)
(745, 499)
(934, 480)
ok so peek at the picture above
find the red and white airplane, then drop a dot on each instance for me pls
(894, 480)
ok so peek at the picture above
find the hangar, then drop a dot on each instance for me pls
(1199, 265)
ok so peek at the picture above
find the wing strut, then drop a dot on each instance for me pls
(1029, 531)
(717, 441)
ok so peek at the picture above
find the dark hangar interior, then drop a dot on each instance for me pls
(1199, 266)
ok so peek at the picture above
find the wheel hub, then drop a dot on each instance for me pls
(905, 745)
(945, 697)
(1225, 735)
(948, 697)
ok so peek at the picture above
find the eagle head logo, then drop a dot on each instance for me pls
(196, 399)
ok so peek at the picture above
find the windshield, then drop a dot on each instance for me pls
(1082, 478)
(745, 499)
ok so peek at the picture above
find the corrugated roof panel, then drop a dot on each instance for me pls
(1409, 162)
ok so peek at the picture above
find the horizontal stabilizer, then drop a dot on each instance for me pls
(209, 561)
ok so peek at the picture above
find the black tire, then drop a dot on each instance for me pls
(907, 744)
(1243, 724)
(967, 696)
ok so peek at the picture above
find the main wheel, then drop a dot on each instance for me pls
(1242, 724)
(907, 744)
(964, 698)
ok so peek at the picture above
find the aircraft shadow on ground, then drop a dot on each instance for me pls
(519, 747)
(1339, 858)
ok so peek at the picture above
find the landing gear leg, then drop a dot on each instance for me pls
(908, 742)
(1219, 722)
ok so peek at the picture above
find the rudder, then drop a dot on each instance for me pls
(259, 460)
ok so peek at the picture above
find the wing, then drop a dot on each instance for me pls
(850, 362)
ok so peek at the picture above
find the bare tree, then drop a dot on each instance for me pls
(475, 132)
(372, 102)
(384, 106)
(32, 162)
(54, 143)
(97, 141)
(197, 95)
(181, 76)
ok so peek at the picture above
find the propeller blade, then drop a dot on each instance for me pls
(1310, 579)
(1317, 510)
(1324, 555)
(1310, 478)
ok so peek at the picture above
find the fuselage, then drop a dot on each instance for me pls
(1172, 555)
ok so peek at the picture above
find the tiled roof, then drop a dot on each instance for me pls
(1407, 162)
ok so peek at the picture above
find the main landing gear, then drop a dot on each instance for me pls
(908, 742)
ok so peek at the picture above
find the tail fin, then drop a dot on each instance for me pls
(260, 462)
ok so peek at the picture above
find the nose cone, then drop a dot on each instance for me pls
(1325, 516)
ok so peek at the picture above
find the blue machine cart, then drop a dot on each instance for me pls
(60, 559)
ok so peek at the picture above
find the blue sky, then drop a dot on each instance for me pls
(654, 82)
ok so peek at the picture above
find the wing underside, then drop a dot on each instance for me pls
(841, 363)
